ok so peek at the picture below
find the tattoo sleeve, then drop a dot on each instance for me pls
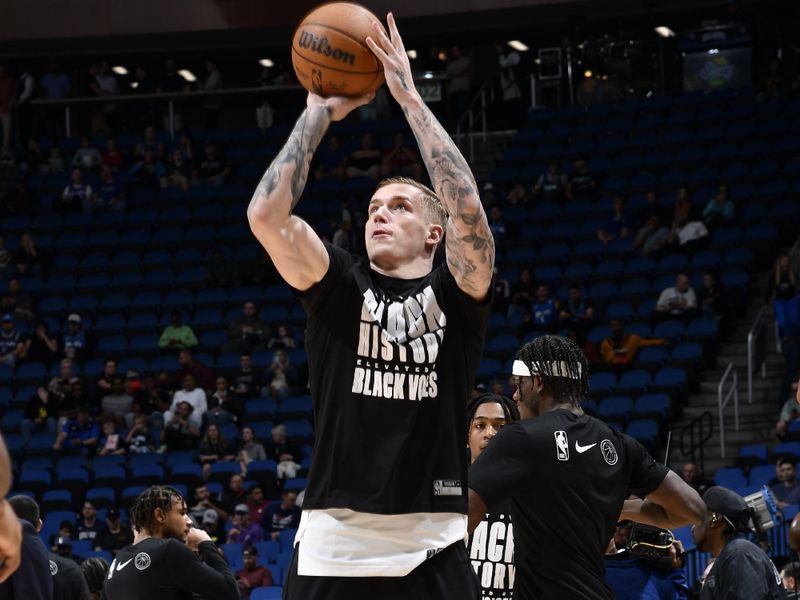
(469, 241)
(284, 180)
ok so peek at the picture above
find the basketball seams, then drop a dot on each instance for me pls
(324, 66)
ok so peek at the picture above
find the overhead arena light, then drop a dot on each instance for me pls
(665, 31)
(134, 84)
(517, 45)
(120, 70)
(587, 73)
(412, 54)
(266, 62)
(187, 75)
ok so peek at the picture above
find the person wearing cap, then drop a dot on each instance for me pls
(210, 524)
(568, 476)
(72, 342)
(31, 580)
(114, 536)
(243, 531)
(252, 575)
(742, 570)
(13, 346)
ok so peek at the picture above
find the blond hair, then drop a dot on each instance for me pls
(431, 205)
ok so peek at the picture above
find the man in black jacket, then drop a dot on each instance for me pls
(31, 580)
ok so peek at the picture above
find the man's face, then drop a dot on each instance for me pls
(489, 419)
(616, 328)
(8, 326)
(201, 493)
(689, 473)
(249, 310)
(245, 362)
(185, 409)
(188, 383)
(541, 293)
(289, 499)
(790, 583)
(236, 483)
(177, 523)
(700, 534)
(574, 294)
(526, 395)
(788, 474)
(76, 175)
(84, 419)
(250, 561)
(88, 511)
(110, 368)
(682, 283)
(257, 495)
(397, 228)
(65, 369)
(13, 286)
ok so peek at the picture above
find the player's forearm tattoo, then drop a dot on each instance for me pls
(290, 166)
(469, 241)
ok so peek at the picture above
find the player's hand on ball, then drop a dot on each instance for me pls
(392, 53)
(339, 106)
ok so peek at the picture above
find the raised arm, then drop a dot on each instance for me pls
(469, 242)
(293, 246)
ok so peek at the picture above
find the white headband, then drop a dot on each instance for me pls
(558, 368)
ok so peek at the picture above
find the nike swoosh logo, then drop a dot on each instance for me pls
(581, 449)
(121, 566)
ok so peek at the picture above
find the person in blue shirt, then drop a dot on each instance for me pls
(545, 310)
(720, 210)
(79, 435)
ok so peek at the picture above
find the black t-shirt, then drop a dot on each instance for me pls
(391, 364)
(491, 553)
(166, 569)
(567, 476)
(68, 580)
(743, 571)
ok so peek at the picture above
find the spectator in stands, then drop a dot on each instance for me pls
(102, 384)
(109, 194)
(224, 397)
(282, 515)
(140, 439)
(678, 301)
(688, 236)
(234, 494)
(243, 530)
(60, 385)
(279, 373)
(250, 450)
(55, 83)
(177, 335)
(8, 90)
(577, 311)
(217, 414)
(789, 412)
(213, 448)
(784, 281)
(28, 259)
(211, 169)
(17, 302)
(112, 157)
(220, 271)
(545, 310)
(788, 490)
(149, 142)
(31, 158)
(581, 186)
(72, 342)
(149, 171)
(77, 195)
(691, 475)
(256, 503)
(87, 525)
(621, 348)
(712, 297)
(511, 106)
(497, 224)
(651, 237)
(518, 195)
(40, 414)
(117, 404)
(20, 199)
(281, 450)
(178, 172)
(578, 336)
(55, 162)
(180, 431)
(790, 576)
(282, 340)
(5, 258)
(87, 157)
(212, 526)
(114, 536)
(188, 365)
(252, 575)
(203, 502)
(618, 224)
(720, 210)
(192, 395)
(523, 292)
(489, 198)
(552, 184)
(401, 159)
(248, 332)
(501, 298)
(112, 441)
(13, 346)
(365, 161)
(246, 382)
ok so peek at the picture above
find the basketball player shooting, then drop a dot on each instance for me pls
(393, 345)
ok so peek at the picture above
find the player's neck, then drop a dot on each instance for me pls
(414, 268)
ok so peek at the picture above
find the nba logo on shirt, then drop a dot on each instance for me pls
(562, 445)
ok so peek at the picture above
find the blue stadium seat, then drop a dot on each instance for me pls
(646, 431)
(274, 592)
(617, 408)
(652, 405)
(286, 539)
(762, 474)
(221, 472)
(146, 475)
(102, 497)
(260, 409)
(110, 476)
(730, 477)
(602, 384)
(650, 358)
(758, 451)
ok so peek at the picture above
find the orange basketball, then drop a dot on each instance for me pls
(330, 53)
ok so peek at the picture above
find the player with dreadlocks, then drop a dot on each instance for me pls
(491, 545)
(568, 476)
(161, 564)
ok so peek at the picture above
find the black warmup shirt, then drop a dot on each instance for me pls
(166, 569)
(567, 477)
(68, 580)
(391, 364)
(742, 571)
(491, 553)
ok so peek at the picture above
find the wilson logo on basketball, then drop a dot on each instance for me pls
(322, 46)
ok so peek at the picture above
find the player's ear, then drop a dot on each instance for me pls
(435, 233)
(537, 383)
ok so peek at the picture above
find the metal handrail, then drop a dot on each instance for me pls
(702, 438)
(756, 343)
(468, 116)
(723, 402)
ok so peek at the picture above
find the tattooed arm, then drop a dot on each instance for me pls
(469, 242)
(293, 246)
